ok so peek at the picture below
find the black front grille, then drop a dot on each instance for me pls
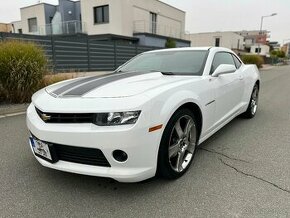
(65, 118)
(89, 156)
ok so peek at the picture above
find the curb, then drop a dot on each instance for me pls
(12, 115)
(13, 110)
(267, 68)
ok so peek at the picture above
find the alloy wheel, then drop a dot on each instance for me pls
(254, 100)
(182, 143)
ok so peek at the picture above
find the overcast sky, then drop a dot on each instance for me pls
(205, 15)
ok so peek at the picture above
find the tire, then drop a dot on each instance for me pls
(178, 145)
(253, 104)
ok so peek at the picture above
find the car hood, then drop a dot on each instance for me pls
(115, 85)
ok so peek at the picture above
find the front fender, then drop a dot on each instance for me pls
(175, 101)
(167, 105)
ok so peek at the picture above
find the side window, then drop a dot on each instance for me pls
(101, 14)
(237, 62)
(221, 58)
(32, 24)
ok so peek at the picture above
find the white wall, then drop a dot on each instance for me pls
(170, 21)
(115, 16)
(31, 12)
(265, 50)
(229, 40)
(124, 14)
(17, 25)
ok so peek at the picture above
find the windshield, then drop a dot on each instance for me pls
(171, 62)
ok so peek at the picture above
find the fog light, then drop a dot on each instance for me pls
(120, 156)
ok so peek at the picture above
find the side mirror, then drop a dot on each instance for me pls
(224, 69)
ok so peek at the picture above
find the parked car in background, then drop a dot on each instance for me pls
(147, 117)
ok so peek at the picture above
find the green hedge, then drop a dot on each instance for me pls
(22, 67)
(253, 59)
(170, 43)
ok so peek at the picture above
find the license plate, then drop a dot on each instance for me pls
(40, 148)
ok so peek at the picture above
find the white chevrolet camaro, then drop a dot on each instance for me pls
(146, 118)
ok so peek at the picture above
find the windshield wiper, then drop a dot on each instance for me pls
(120, 71)
(168, 73)
(163, 72)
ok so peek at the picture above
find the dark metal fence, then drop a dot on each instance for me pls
(81, 52)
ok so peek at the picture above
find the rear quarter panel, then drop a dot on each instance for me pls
(251, 76)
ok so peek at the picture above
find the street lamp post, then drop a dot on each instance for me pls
(261, 29)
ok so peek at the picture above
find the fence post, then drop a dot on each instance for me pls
(136, 49)
(53, 54)
(88, 53)
(115, 55)
(5, 36)
(1, 36)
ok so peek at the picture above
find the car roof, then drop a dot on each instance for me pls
(214, 49)
(181, 49)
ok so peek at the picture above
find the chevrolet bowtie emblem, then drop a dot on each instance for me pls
(45, 117)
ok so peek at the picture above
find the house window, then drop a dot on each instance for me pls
(101, 14)
(153, 24)
(32, 24)
(217, 42)
(20, 31)
(258, 50)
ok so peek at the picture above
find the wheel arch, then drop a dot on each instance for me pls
(192, 106)
(197, 113)
(258, 83)
(171, 103)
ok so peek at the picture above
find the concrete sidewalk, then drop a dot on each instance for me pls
(83, 74)
(267, 67)
(6, 109)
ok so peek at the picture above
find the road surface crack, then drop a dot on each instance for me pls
(255, 177)
(224, 155)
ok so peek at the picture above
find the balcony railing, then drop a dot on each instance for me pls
(142, 26)
(68, 27)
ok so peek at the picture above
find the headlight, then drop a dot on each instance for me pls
(117, 118)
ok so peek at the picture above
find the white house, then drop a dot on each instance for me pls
(127, 17)
(149, 22)
(230, 40)
(264, 49)
(253, 37)
(17, 27)
(47, 19)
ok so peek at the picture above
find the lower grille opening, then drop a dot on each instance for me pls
(81, 155)
(88, 156)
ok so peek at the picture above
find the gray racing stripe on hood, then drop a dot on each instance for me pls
(67, 87)
(88, 86)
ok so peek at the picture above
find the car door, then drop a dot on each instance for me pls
(229, 88)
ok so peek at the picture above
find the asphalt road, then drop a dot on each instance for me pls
(242, 171)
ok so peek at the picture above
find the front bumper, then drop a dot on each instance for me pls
(140, 145)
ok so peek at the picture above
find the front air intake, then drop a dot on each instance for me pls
(65, 117)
